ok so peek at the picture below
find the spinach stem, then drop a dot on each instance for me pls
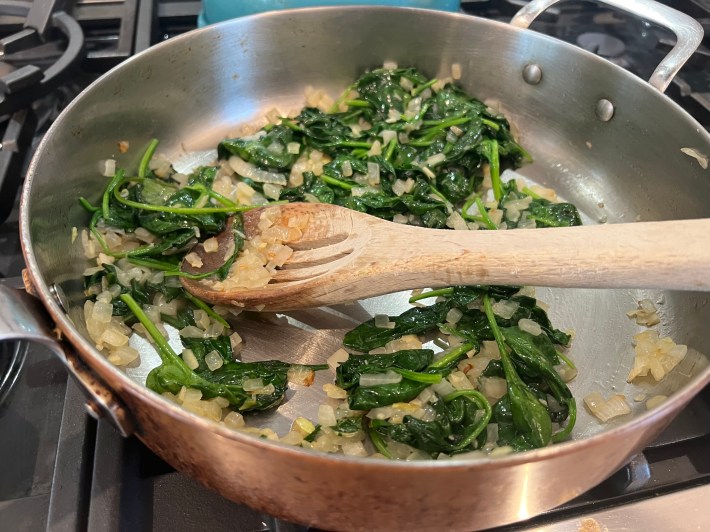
(147, 262)
(351, 144)
(484, 214)
(431, 378)
(452, 356)
(357, 103)
(566, 360)
(432, 293)
(147, 156)
(390, 148)
(423, 87)
(115, 181)
(337, 182)
(88, 206)
(185, 210)
(378, 442)
(343, 96)
(209, 310)
(164, 350)
(493, 125)
(291, 125)
(571, 420)
(510, 372)
(530, 193)
(495, 171)
(480, 401)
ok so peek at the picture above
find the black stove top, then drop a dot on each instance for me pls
(63, 471)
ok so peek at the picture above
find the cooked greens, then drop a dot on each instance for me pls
(396, 145)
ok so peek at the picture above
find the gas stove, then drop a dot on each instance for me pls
(64, 471)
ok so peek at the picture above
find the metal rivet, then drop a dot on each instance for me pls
(58, 295)
(532, 74)
(605, 110)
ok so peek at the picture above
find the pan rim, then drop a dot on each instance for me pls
(98, 362)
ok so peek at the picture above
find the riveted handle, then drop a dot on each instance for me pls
(688, 31)
(24, 318)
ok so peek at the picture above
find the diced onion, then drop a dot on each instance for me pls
(606, 409)
(211, 245)
(234, 420)
(387, 135)
(194, 260)
(435, 159)
(646, 313)
(214, 360)
(428, 172)
(455, 221)
(654, 401)
(326, 416)
(378, 379)
(302, 426)
(655, 355)
(249, 170)
(334, 392)
(301, 375)
(453, 316)
(354, 449)
(250, 385)
(398, 187)
(494, 387)
(382, 321)
(376, 148)
(459, 380)
(190, 360)
(443, 388)
(530, 326)
(293, 148)
(456, 71)
(122, 356)
(373, 173)
(406, 83)
(272, 191)
(337, 358)
(346, 168)
(695, 154)
(505, 308)
(108, 168)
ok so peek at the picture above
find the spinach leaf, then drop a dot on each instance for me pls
(547, 214)
(348, 425)
(348, 373)
(457, 425)
(368, 397)
(367, 336)
(531, 419)
(267, 151)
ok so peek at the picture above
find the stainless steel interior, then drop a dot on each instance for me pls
(194, 90)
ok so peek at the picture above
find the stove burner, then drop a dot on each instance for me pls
(19, 129)
(44, 34)
(601, 44)
(12, 357)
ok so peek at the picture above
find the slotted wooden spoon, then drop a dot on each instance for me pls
(345, 255)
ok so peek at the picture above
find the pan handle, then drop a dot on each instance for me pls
(688, 31)
(23, 318)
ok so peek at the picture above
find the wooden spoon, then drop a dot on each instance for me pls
(345, 255)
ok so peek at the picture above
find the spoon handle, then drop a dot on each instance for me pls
(672, 255)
